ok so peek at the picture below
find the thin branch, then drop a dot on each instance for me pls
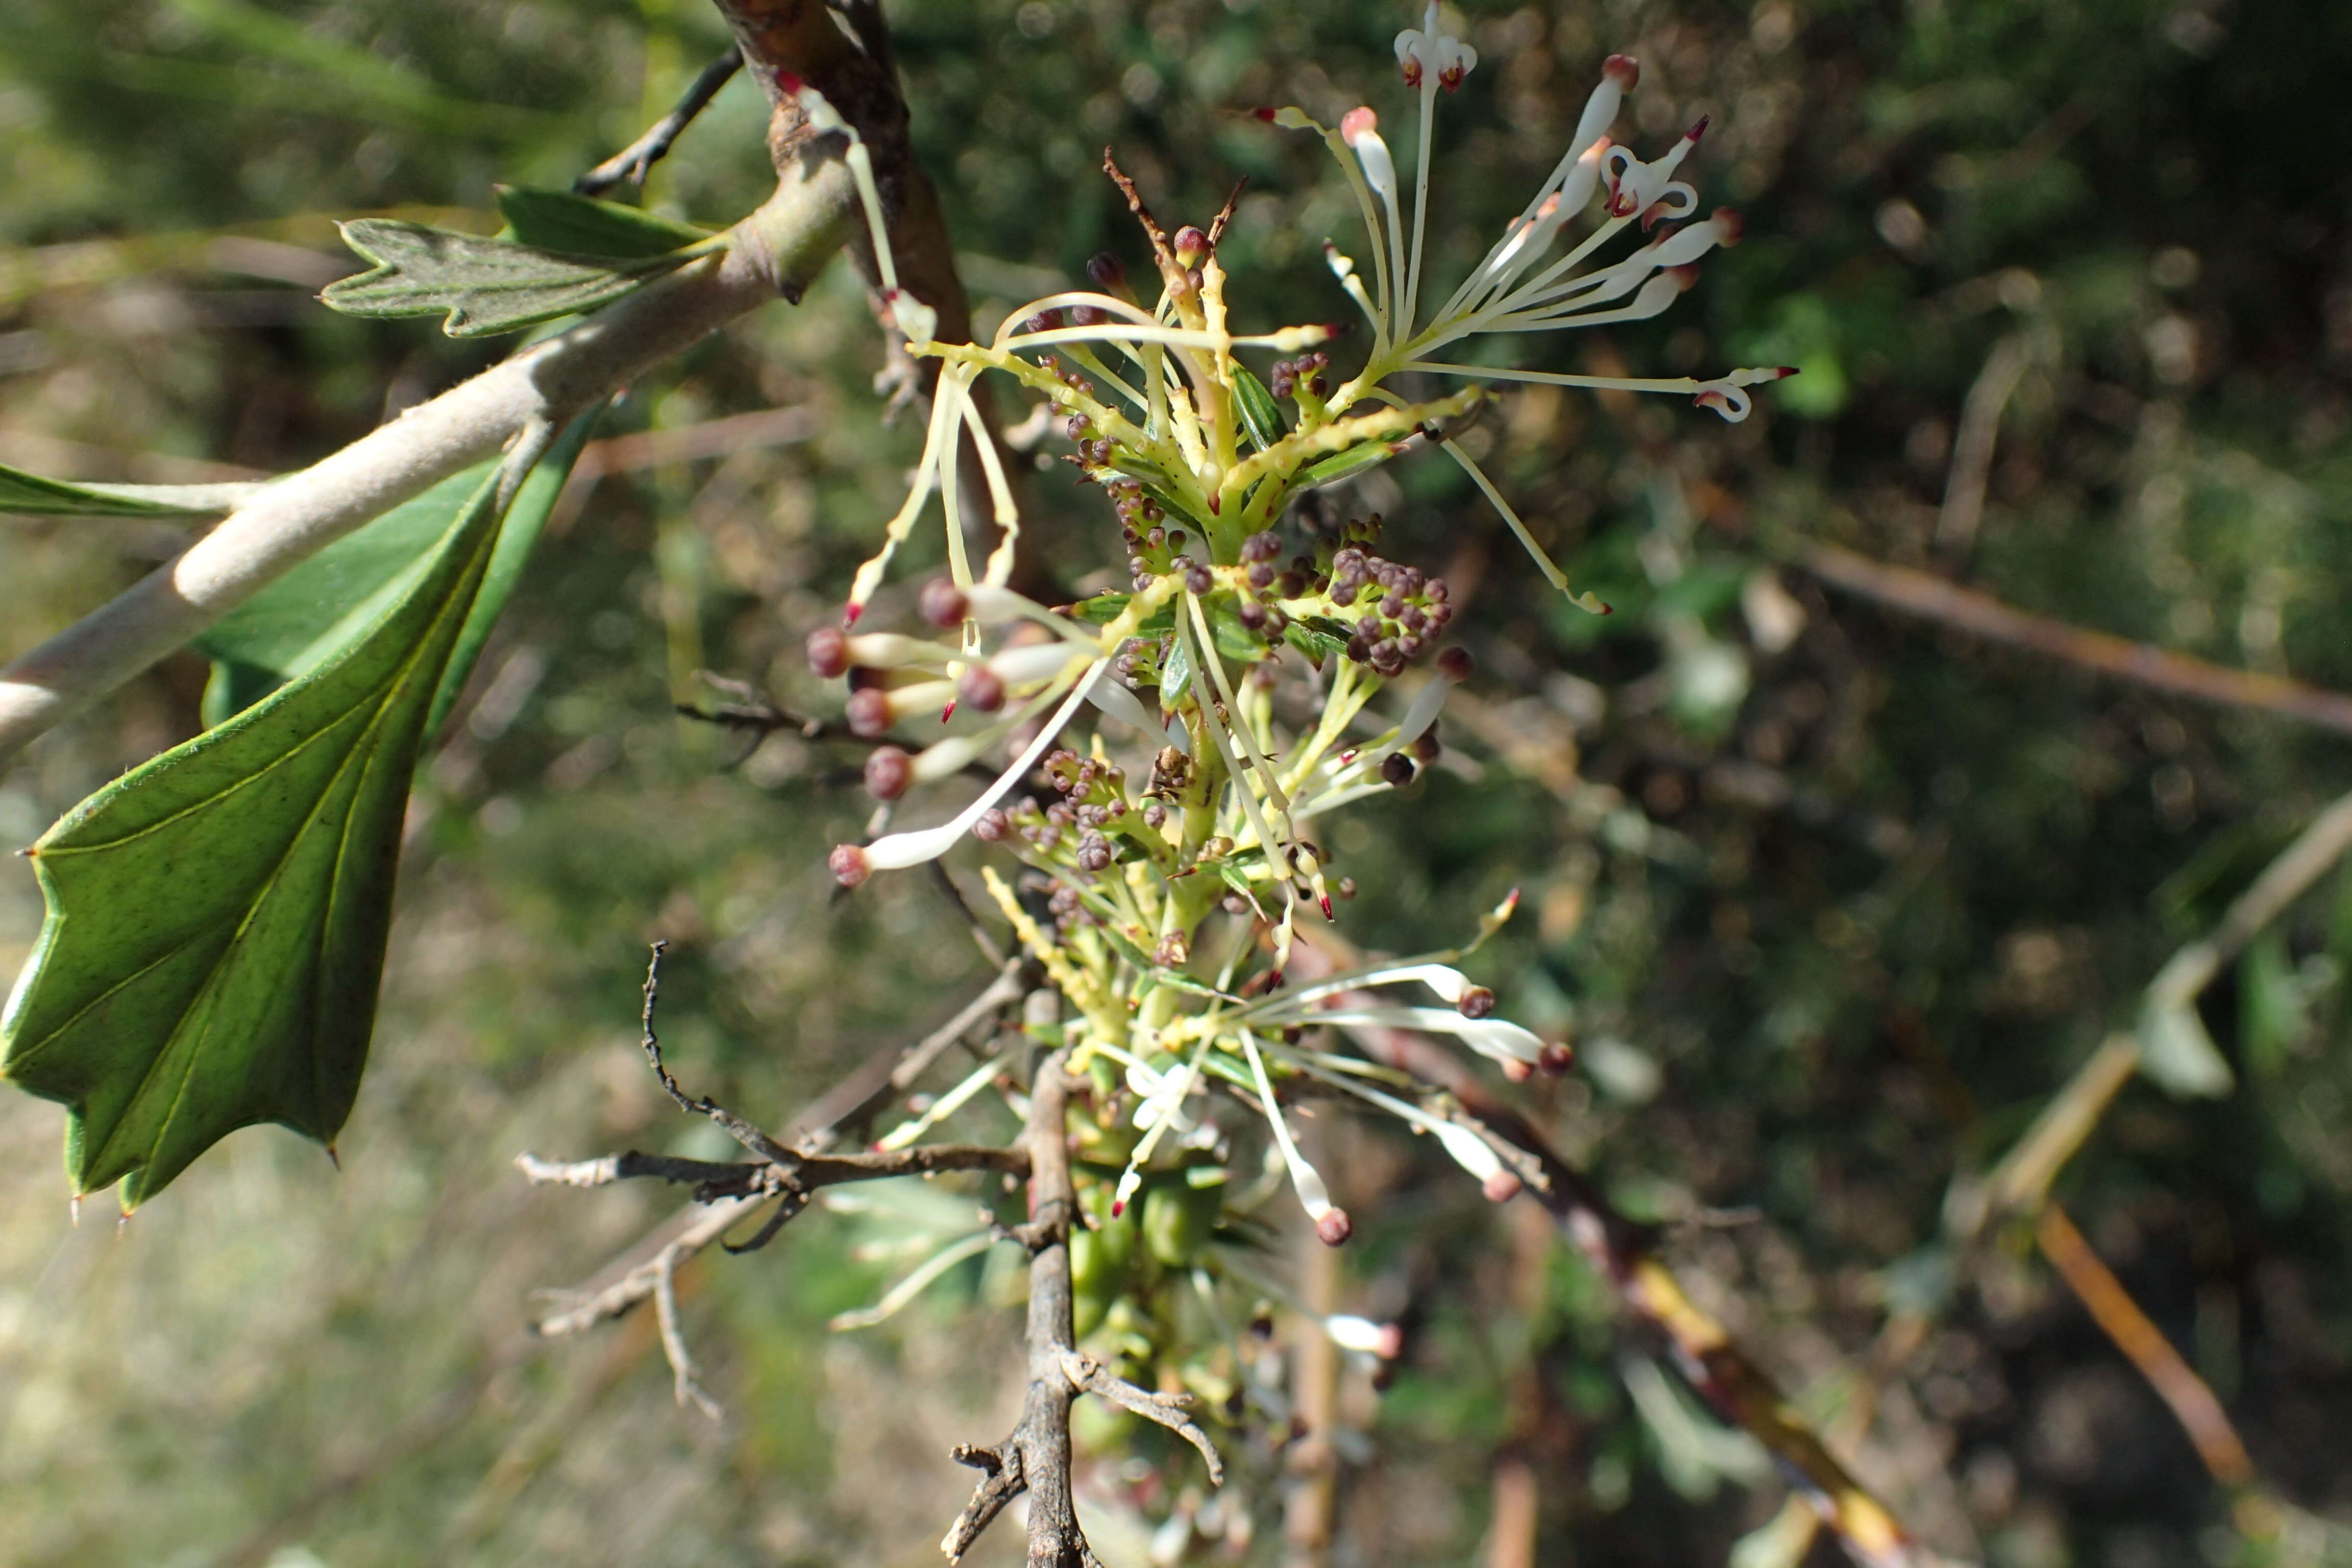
(2021, 1181)
(1092, 1376)
(847, 1107)
(2175, 1381)
(1035, 1458)
(1972, 443)
(742, 1131)
(1931, 597)
(672, 1340)
(630, 165)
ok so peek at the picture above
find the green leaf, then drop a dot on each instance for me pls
(487, 286)
(1233, 640)
(321, 606)
(216, 917)
(583, 226)
(1354, 460)
(24, 492)
(1261, 415)
(1102, 609)
(1318, 638)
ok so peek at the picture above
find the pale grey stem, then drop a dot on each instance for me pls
(1087, 1372)
(673, 1338)
(777, 249)
(1972, 444)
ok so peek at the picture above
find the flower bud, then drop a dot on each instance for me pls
(1455, 664)
(869, 713)
(1396, 770)
(1108, 272)
(1333, 1227)
(1190, 244)
(1477, 1002)
(1501, 1187)
(888, 771)
(849, 865)
(990, 825)
(1623, 69)
(982, 688)
(828, 651)
(943, 603)
(1555, 1058)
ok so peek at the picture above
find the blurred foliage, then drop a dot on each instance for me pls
(1830, 901)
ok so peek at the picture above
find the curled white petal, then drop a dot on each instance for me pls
(897, 850)
(1495, 1037)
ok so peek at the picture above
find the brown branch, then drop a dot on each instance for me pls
(1931, 597)
(847, 1108)
(1092, 1376)
(1964, 484)
(2175, 1383)
(630, 165)
(1035, 1458)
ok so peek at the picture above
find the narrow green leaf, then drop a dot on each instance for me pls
(319, 607)
(1102, 609)
(1318, 638)
(216, 917)
(24, 492)
(1234, 641)
(583, 226)
(487, 286)
(1354, 460)
(1261, 415)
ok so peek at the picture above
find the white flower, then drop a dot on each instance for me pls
(1425, 54)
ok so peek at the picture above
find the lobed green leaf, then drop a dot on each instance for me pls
(486, 286)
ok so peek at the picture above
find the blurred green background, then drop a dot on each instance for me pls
(1831, 900)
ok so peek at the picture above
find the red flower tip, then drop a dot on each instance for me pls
(1696, 131)
(1324, 900)
(1608, 609)
(1623, 69)
(849, 865)
(1265, 115)
(1787, 370)
(1555, 1058)
(790, 83)
(1214, 510)
(849, 614)
(1357, 122)
(1411, 65)
(1501, 1187)
(1118, 1207)
(948, 713)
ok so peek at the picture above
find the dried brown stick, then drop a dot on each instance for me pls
(630, 165)
(1972, 443)
(1090, 1376)
(1035, 1458)
(2111, 1306)
(848, 1105)
(1933, 599)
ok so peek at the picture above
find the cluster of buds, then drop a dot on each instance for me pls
(1288, 375)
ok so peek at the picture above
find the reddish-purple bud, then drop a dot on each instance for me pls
(943, 603)
(869, 713)
(1334, 1227)
(1623, 69)
(1555, 1058)
(1396, 770)
(849, 865)
(1190, 244)
(1517, 1070)
(1475, 1003)
(1108, 272)
(1501, 1187)
(991, 827)
(828, 652)
(888, 771)
(982, 688)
